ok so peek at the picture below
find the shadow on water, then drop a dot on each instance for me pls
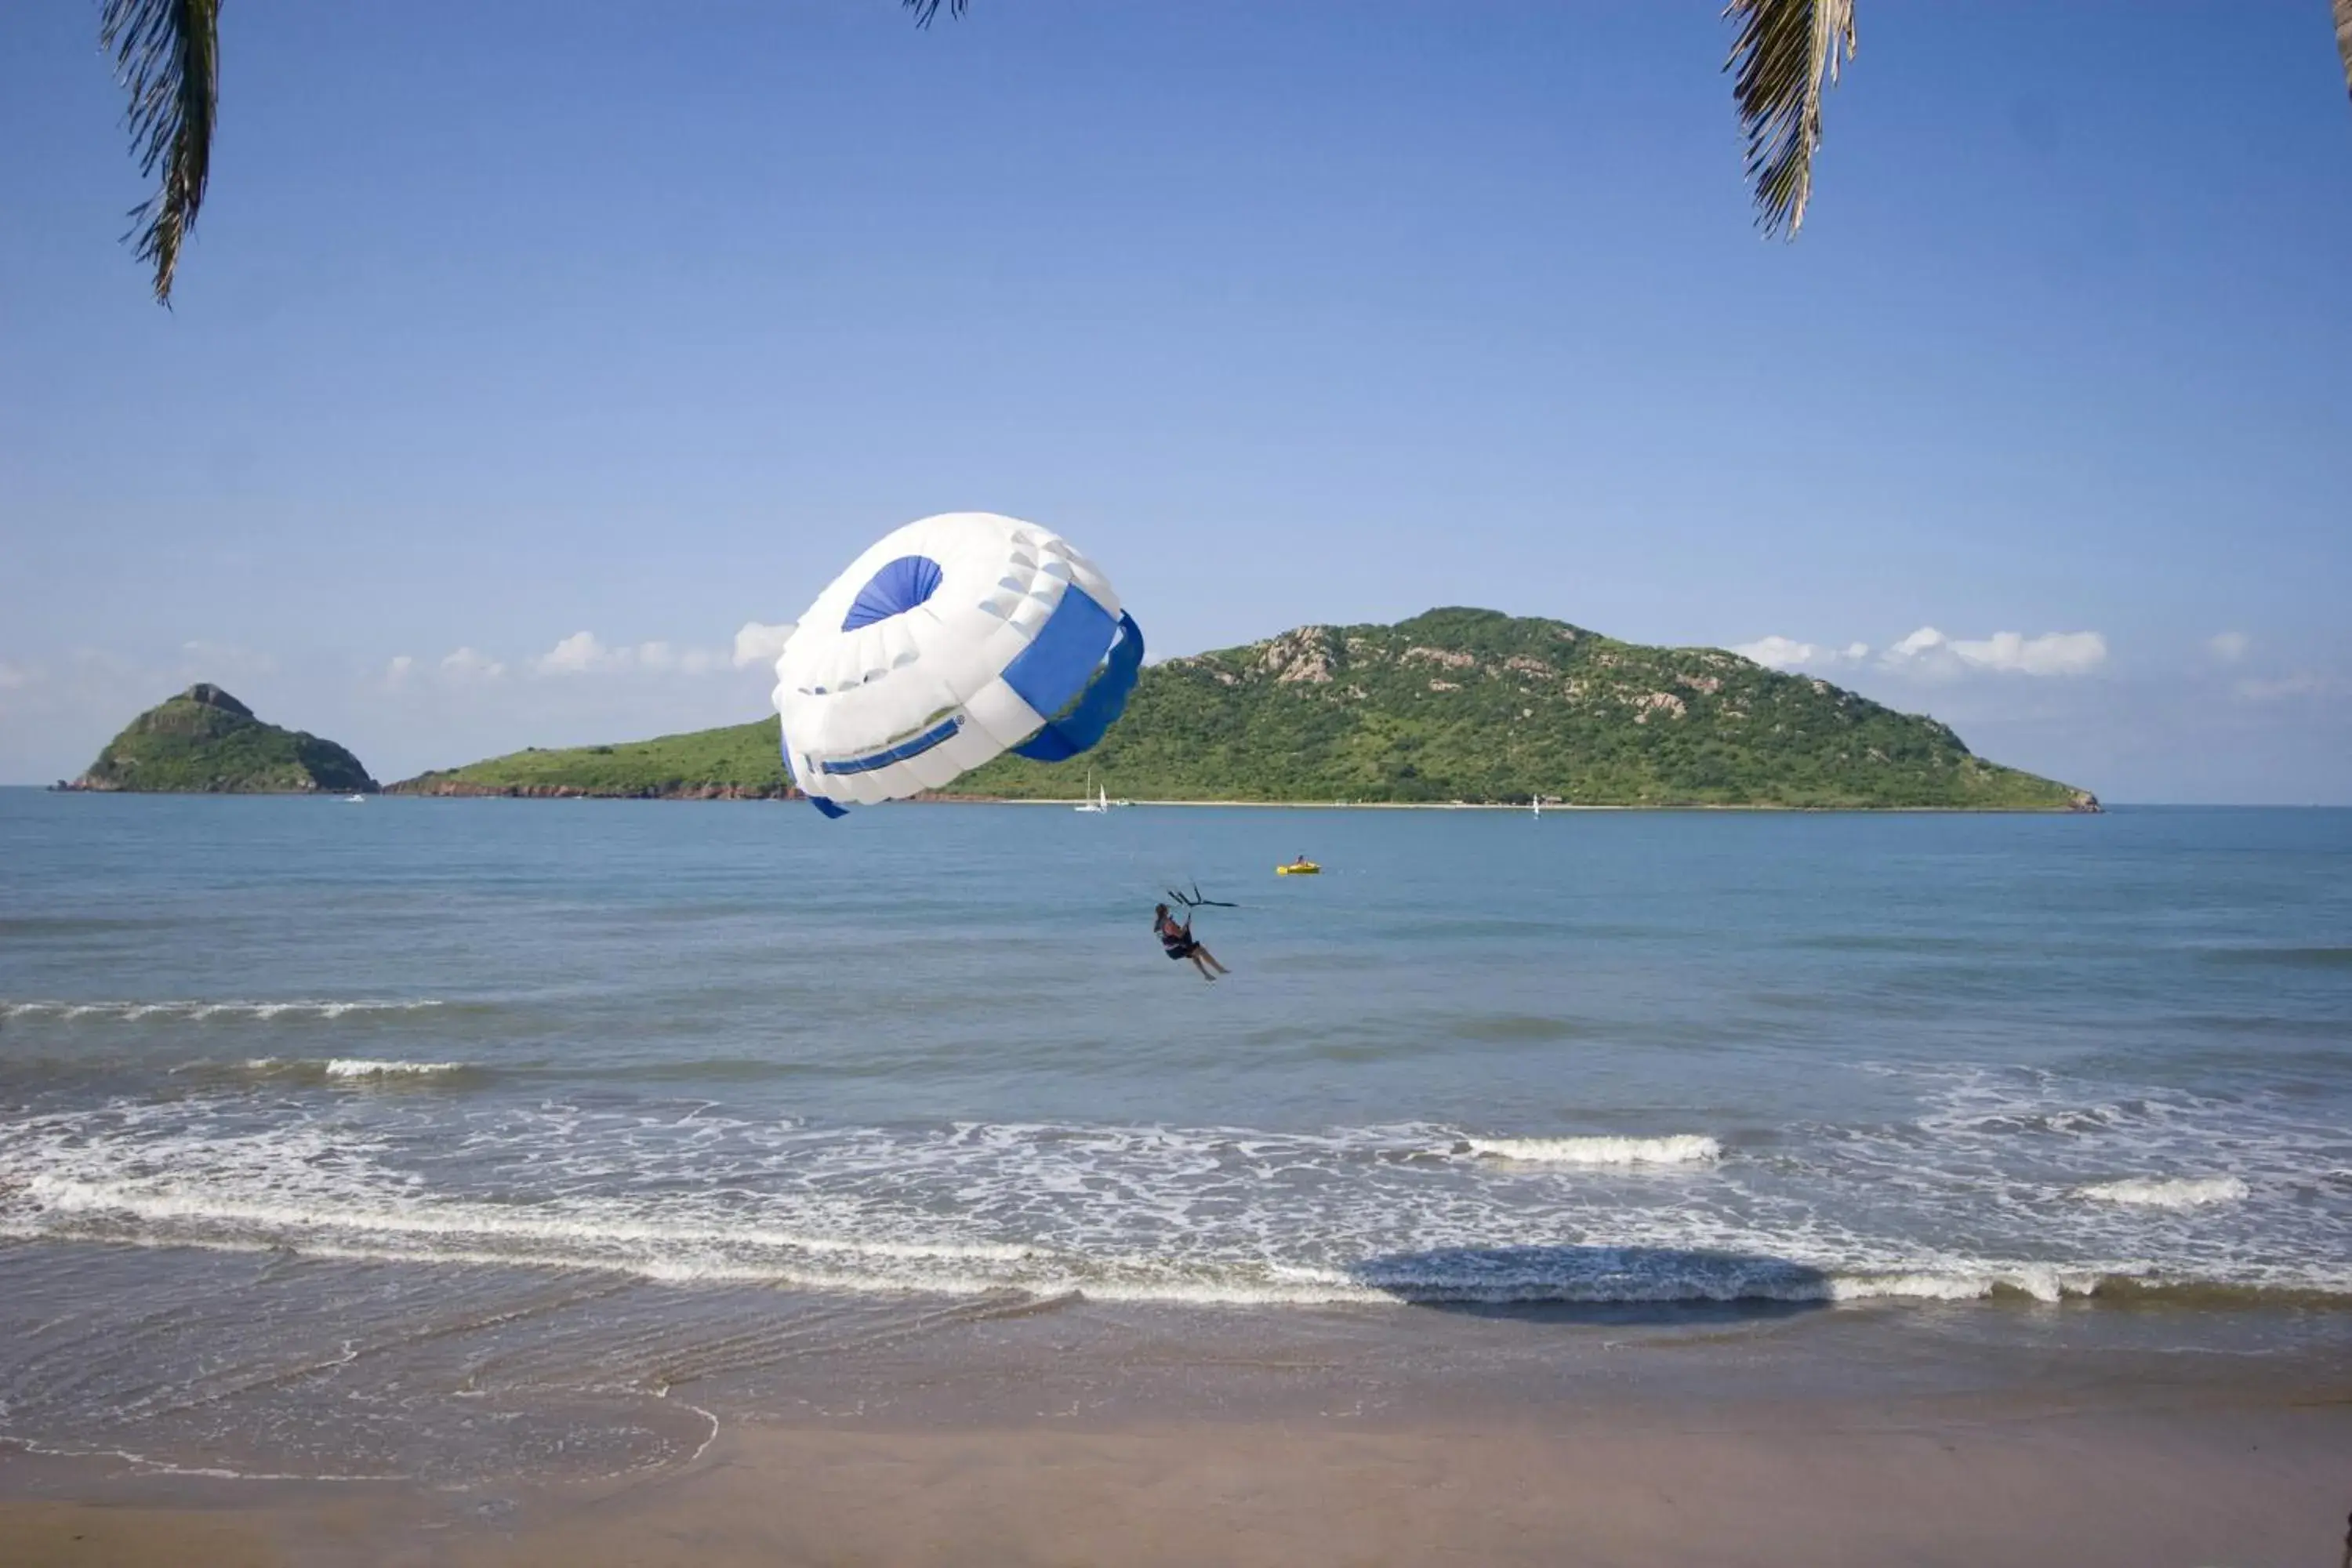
(1659, 1286)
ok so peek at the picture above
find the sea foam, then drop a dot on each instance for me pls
(1675, 1149)
(2181, 1193)
(359, 1067)
(140, 1012)
(351, 1070)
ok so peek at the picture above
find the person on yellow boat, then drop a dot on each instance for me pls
(1177, 940)
(1302, 860)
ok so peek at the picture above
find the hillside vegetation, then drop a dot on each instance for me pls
(1471, 705)
(206, 742)
(1454, 705)
(742, 762)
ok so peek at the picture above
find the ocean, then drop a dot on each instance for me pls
(442, 1139)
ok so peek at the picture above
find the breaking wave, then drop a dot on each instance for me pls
(685, 1191)
(199, 1011)
(359, 1067)
(1676, 1148)
(617, 1238)
(2179, 1193)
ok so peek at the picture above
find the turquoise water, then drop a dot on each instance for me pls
(1596, 1057)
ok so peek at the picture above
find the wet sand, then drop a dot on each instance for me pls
(2206, 1478)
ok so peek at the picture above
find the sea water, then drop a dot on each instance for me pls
(291, 1087)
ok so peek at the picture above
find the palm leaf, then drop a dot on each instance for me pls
(1787, 53)
(925, 10)
(2343, 38)
(167, 54)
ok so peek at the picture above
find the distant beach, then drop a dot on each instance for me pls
(1522, 807)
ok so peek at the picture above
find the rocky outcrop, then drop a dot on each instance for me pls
(1303, 655)
(1655, 702)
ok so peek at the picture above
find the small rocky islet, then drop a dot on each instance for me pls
(205, 741)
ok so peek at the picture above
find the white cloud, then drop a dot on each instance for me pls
(14, 677)
(1777, 652)
(1787, 653)
(2051, 653)
(2228, 647)
(1924, 643)
(468, 665)
(580, 654)
(1929, 652)
(2303, 683)
(758, 642)
(583, 654)
(397, 672)
(661, 656)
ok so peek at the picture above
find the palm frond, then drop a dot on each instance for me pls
(2343, 38)
(167, 54)
(925, 10)
(1787, 52)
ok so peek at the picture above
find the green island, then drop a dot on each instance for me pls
(206, 742)
(1457, 705)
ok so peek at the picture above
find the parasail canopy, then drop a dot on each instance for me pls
(950, 642)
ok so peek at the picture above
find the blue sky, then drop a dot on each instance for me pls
(508, 324)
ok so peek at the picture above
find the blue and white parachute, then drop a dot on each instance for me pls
(950, 642)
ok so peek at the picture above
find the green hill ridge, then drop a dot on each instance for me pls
(740, 762)
(1454, 705)
(206, 742)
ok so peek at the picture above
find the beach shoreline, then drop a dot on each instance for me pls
(2201, 1476)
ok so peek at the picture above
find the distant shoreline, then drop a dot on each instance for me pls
(2091, 807)
(1073, 802)
(1521, 807)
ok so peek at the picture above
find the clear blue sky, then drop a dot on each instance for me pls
(505, 323)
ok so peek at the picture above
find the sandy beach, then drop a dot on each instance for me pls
(2211, 1478)
(1088, 1436)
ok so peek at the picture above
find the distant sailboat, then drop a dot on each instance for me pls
(1535, 804)
(354, 800)
(1100, 802)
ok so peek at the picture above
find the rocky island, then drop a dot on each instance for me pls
(1457, 705)
(205, 741)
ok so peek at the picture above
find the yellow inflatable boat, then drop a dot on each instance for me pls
(1298, 868)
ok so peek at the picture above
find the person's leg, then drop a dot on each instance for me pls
(1196, 956)
(1211, 957)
